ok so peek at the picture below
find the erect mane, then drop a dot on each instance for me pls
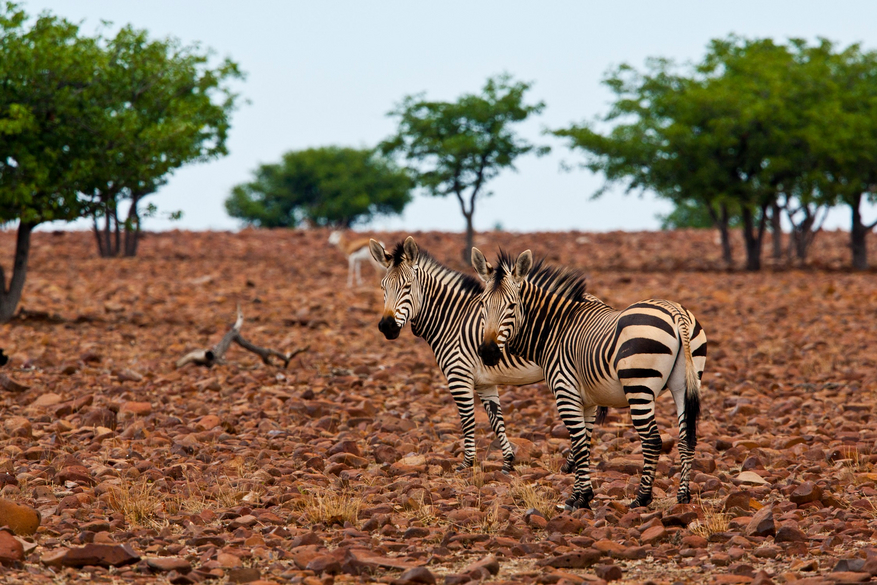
(565, 282)
(445, 275)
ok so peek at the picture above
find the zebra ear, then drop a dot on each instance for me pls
(411, 249)
(523, 265)
(379, 253)
(482, 266)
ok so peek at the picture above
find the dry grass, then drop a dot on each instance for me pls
(418, 509)
(493, 520)
(327, 507)
(138, 501)
(714, 520)
(540, 498)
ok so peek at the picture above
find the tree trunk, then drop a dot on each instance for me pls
(470, 239)
(722, 220)
(9, 297)
(858, 236)
(776, 229)
(132, 227)
(753, 236)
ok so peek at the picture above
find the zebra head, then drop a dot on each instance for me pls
(400, 285)
(500, 302)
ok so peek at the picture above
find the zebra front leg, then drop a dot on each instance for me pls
(643, 417)
(579, 421)
(464, 398)
(490, 399)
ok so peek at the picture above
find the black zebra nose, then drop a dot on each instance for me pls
(389, 327)
(490, 353)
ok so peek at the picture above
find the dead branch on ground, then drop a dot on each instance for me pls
(215, 355)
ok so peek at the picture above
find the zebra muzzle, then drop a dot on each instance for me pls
(389, 327)
(490, 353)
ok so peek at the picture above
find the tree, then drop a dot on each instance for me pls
(47, 80)
(329, 186)
(457, 147)
(164, 107)
(731, 133)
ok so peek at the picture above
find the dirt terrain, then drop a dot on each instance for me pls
(339, 467)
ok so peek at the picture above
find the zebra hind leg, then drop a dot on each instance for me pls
(490, 400)
(651, 442)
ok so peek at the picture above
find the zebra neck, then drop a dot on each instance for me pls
(542, 311)
(442, 305)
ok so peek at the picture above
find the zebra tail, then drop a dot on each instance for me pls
(602, 411)
(692, 386)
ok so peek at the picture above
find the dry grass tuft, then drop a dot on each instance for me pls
(540, 498)
(328, 507)
(714, 520)
(138, 501)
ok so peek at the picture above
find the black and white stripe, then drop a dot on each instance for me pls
(443, 307)
(593, 356)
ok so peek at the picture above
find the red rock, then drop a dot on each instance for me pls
(653, 535)
(207, 422)
(11, 550)
(579, 559)
(136, 408)
(228, 561)
(167, 564)
(789, 534)
(608, 572)
(489, 563)
(385, 454)
(762, 524)
(762, 578)
(806, 492)
(18, 426)
(104, 555)
(416, 575)
(738, 500)
(21, 519)
(465, 516)
(730, 579)
(847, 577)
(564, 524)
(244, 575)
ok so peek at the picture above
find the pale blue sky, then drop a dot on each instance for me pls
(327, 72)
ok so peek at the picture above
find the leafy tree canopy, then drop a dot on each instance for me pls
(455, 148)
(329, 186)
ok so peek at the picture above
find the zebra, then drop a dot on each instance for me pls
(594, 355)
(443, 308)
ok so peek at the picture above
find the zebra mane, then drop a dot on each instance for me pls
(445, 275)
(565, 282)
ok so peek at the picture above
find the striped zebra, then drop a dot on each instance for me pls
(593, 355)
(443, 307)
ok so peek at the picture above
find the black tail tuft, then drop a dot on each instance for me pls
(602, 413)
(692, 412)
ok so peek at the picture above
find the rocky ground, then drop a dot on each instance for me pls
(339, 467)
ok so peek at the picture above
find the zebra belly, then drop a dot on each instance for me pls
(605, 393)
(528, 373)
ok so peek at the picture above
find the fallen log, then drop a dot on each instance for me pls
(216, 354)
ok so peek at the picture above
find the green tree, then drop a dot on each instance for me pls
(457, 147)
(164, 107)
(732, 133)
(329, 186)
(47, 80)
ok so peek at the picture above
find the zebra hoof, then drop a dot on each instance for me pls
(577, 502)
(507, 468)
(567, 467)
(463, 467)
(683, 498)
(641, 501)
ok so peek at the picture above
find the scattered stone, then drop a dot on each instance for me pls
(103, 555)
(580, 559)
(762, 524)
(608, 572)
(416, 575)
(21, 519)
(806, 492)
(11, 550)
(167, 564)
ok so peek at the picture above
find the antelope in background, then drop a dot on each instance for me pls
(356, 251)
